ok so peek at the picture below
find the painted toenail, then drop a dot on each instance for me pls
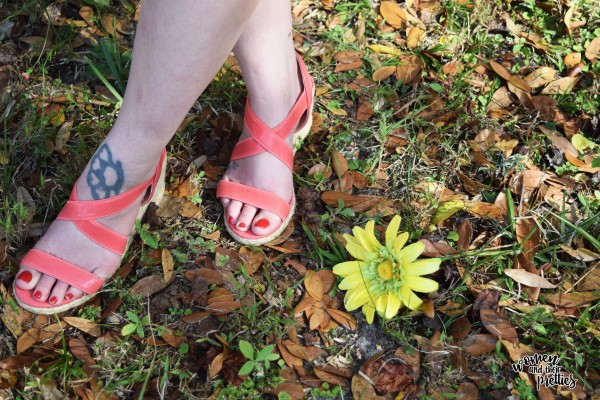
(25, 276)
(242, 225)
(53, 299)
(262, 223)
(37, 295)
(69, 296)
(230, 220)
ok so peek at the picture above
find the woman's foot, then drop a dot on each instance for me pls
(111, 171)
(264, 171)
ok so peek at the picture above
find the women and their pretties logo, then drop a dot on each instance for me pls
(546, 370)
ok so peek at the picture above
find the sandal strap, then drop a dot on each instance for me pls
(273, 139)
(63, 271)
(83, 213)
(255, 197)
(267, 139)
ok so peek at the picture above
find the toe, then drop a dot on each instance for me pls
(43, 288)
(265, 223)
(246, 216)
(73, 294)
(233, 211)
(27, 278)
(57, 294)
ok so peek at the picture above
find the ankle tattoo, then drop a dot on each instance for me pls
(105, 176)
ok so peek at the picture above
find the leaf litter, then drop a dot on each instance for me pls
(525, 144)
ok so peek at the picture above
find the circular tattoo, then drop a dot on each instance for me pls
(105, 176)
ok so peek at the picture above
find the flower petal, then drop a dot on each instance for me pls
(347, 268)
(420, 284)
(400, 241)
(370, 231)
(411, 252)
(409, 298)
(352, 281)
(391, 232)
(422, 267)
(369, 312)
(357, 251)
(368, 241)
(381, 304)
(356, 297)
(393, 305)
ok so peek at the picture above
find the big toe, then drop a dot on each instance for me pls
(27, 278)
(265, 223)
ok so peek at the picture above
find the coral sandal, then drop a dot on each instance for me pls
(272, 140)
(84, 214)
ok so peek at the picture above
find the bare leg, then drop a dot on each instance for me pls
(267, 57)
(179, 47)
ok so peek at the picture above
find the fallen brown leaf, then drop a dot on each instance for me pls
(528, 278)
(84, 325)
(498, 325)
(305, 353)
(479, 344)
(149, 285)
(460, 328)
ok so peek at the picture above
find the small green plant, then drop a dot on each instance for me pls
(136, 325)
(326, 392)
(259, 361)
(147, 237)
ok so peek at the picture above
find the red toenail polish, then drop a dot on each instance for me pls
(53, 299)
(68, 296)
(242, 225)
(230, 220)
(262, 223)
(37, 295)
(25, 276)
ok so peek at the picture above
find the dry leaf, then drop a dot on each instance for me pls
(528, 278)
(253, 259)
(590, 279)
(460, 328)
(384, 72)
(572, 59)
(362, 389)
(340, 165)
(516, 81)
(561, 86)
(216, 365)
(28, 339)
(314, 285)
(592, 51)
(305, 353)
(149, 285)
(84, 325)
(211, 276)
(540, 77)
(291, 360)
(365, 110)
(477, 345)
(414, 37)
(498, 325)
(394, 15)
(330, 378)
(354, 202)
(564, 145)
(167, 265)
(570, 300)
(343, 318)
(409, 69)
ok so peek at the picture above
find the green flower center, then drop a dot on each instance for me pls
(383, 272)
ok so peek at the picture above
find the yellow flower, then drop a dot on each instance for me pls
(384, 278)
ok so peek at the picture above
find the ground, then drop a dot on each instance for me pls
(476, 122)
